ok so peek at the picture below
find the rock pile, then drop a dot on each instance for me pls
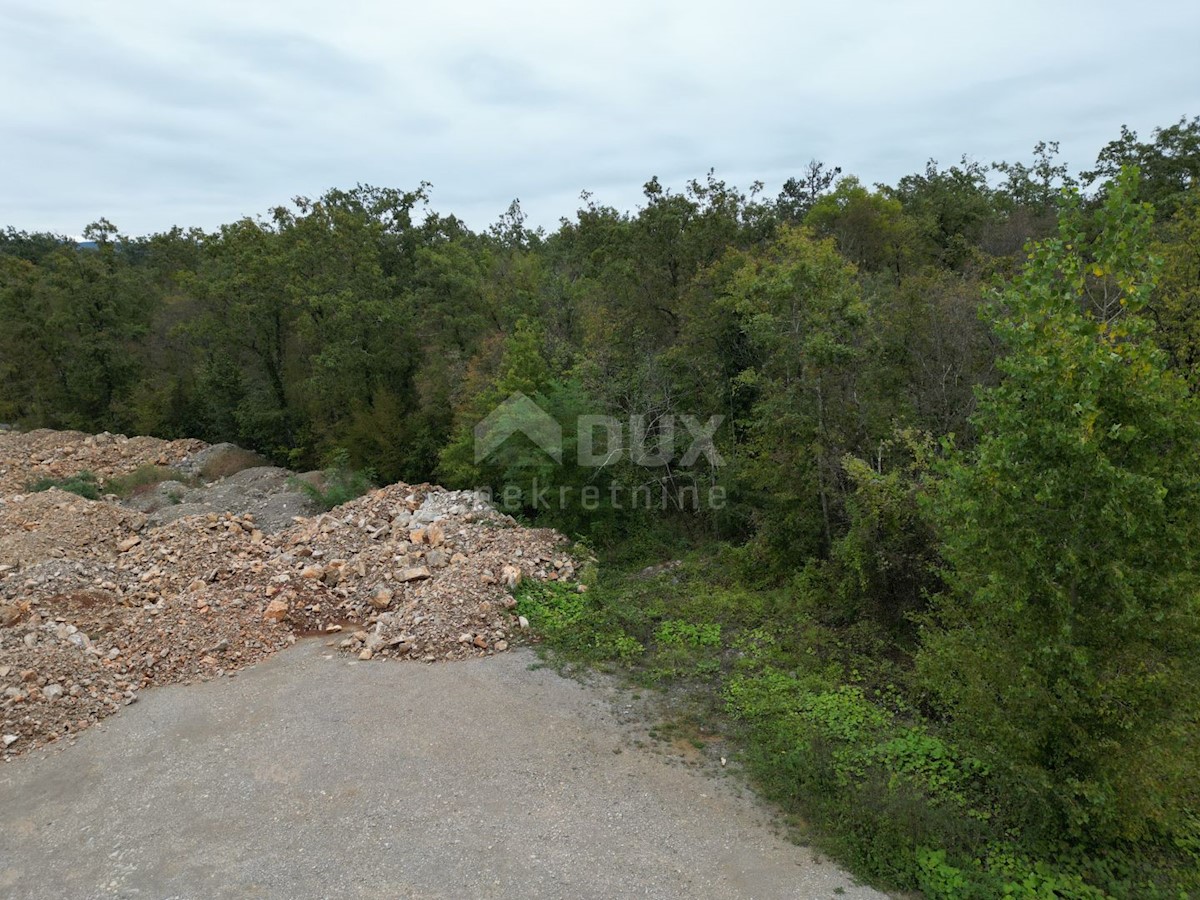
(56, 525)
(25, 458)
(98, 602)
(268, 493)
(426, 571)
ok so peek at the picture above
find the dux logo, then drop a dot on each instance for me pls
(518, 415)
(647, 445)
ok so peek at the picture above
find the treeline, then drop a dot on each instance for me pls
(959, 417)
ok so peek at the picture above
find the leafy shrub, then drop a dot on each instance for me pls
(878, 788)
(677, 633)
(571, 622)
(552, 609)
(1066, 648)
(686, 649)
(340, 483)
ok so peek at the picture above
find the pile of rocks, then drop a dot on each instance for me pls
(98, 602)
(271, 494)
(428, 572)
(26, 458)
(54, 524)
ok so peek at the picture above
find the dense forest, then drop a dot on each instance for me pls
(942, 560)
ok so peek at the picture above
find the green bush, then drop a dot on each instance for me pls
(571, 622)
(341, 483)
(84, 484)
(825, 734)
(1066, 648)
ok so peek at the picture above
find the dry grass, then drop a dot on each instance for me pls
(230, 462)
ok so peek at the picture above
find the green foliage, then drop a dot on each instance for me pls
(871, 229)
(677, 633)
(800, 309)
(1169, 164)
(340, 482)
(879, 791)
(141, 479)
(568, 621)
(1174, 307)
(879, 572)
(686, 649)
(84, 484)
(1066, 647)
(952, 208)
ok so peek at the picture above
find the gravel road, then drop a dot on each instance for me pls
(310, 776)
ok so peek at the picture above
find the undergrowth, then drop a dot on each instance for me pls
(142, 479)
(340, 483)
(85, 484)
(825, 732)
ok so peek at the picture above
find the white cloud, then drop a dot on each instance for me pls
(155, 114)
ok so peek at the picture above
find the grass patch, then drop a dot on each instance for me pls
(85, 484)
(818, 715)
(141, 480)
(230, 462)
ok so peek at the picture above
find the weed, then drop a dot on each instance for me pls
(818, 720)
(340, 483)
(140, 480)
(84, 484)
(230, 462)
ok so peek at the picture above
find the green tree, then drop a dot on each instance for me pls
(1175, 307)
(799, 306)
(74, 324)
(1169, 164)
(1066, 649)
(798, 195)
(871, 229)
(953, 208)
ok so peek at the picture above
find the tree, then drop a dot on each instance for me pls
(953, 207)
(799, 306)
(1066, 650)
(1037, 187)
(800, 194)
(871, 229)
(1175, 307)
(73, 328)
(1169, 164)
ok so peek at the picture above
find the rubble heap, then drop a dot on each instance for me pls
(97, 602)
(427, 572)
(29, 457)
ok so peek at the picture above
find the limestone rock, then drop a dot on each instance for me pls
(276, 611)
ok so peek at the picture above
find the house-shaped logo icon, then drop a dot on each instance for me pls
(518, 415)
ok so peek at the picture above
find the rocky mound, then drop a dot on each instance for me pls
(267, 493)
(56, 525)
(98, 601)
(426, 570)
(26, 458)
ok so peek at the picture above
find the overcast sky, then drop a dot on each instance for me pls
(161, 113)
